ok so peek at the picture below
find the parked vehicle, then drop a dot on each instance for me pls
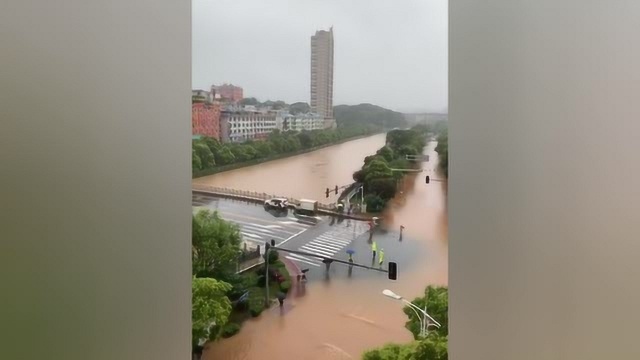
(307, 207)
(276, 203)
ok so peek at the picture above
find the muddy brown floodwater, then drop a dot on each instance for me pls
(342, 318)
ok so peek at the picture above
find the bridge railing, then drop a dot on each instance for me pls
(253, 195)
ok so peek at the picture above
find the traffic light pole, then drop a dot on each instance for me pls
(327, 259)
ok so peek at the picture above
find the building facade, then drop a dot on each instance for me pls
(201, 96)
(228, 92)
(302, 122)
(205, 119)
(322, 73)
(239, 124)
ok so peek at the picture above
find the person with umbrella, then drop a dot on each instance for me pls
(350, 252)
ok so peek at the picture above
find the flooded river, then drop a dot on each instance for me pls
(341, 318)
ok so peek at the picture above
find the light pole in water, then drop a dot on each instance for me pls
(424, 319)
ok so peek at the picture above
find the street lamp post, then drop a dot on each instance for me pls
(425, 320)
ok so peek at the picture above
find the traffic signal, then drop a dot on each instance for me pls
(336, 189)
(327, 192)
(427, 179)
(393, 271)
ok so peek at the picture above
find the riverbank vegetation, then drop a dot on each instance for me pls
(443, 149)
(435, 345)
(209, 156)
(221, 298)
(380, 174)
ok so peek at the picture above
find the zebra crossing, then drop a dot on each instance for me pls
(334, 241)
(258, 232)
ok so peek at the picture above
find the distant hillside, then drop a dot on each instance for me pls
(425, 118)
(367, 115)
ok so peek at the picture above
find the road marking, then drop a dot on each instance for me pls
(291, 237)
(303, 257)
(319, 251)
(251, 235)
(254, 228)
(327, 246)
(302, 261)
(334, 241)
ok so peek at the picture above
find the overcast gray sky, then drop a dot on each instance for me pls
(389, 53)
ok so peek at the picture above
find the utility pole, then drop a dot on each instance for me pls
(267, 248)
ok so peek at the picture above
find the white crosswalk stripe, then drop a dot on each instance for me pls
(291, 257)
(325, 245)
(257, 234)
(330, 243)
(317, 251)
(333, 241)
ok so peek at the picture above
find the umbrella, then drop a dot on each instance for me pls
(351, 252)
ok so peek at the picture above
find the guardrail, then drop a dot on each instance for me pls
(253, 195)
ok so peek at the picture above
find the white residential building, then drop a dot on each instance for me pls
(247, 123)
(302, 122)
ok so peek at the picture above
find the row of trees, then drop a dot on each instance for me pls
(217, 289)
(377, 175)
(208, 153)
(435, 345)
(443, 151)
(215, 246)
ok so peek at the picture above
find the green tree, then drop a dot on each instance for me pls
(377, 169)
(210, 309)
(436, 300)
(383, 187)
(358, 176)
(251, 151)
(204, 153)
(391, 352)
(212, 143)
(196, 163)
(434, 347)
(224, 156)
(305, 139)
(443, 151)
(374, 203)
(240, 153)
(263, 149)
(299, 108)
(215, 244)
(387, 153)
(249, 101)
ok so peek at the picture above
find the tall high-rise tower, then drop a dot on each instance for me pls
(322, 75)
